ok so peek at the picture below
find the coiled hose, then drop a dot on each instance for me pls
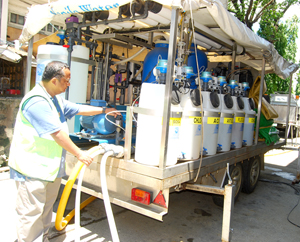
(61, 222)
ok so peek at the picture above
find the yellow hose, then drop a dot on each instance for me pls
(61, 222)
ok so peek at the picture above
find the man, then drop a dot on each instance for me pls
(38, 150)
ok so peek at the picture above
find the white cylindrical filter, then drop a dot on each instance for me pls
(238, 123)
(226, 122)
(190, 131)
(211, 121)
(250, 115)
(149, 128)
(79, 70)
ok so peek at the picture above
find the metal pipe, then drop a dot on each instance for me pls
(288, 110)
(70, 49)
(105, 72)
(262, 79)
(28, 67)
(168, 90)
(92, 81)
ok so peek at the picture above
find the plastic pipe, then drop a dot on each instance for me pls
(229, 43)
(130, 58)
(207, 41)
(109, 213)
(78, 193)
(60, 222)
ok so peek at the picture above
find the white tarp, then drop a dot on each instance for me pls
(216, 15)
(6, 53)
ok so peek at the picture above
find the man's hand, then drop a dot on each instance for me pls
(115, 114)
(84, 158)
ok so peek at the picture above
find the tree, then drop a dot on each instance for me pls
(251, 11)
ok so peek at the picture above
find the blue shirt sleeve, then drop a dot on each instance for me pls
(70, 109)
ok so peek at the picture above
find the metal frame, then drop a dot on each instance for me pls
(288, 111)
(260, 99)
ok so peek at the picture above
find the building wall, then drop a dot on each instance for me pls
(8, 112)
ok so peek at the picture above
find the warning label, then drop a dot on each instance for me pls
(239, 119)
(251, 120)
(228, 120)
(195, 120)
(175, 122)
(213, 120)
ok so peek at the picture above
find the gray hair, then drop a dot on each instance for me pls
(54, 69)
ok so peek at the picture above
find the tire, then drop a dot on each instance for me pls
(251, 175)
(236, 174)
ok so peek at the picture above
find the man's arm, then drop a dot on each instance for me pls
(87, 110)
(63, 139)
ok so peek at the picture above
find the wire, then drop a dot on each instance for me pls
(201, 104)
(297, 192)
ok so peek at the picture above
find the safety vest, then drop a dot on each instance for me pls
(30, 154)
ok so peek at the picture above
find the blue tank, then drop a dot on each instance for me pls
(202, 63)
(161, 49)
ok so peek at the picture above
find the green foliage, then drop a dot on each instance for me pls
(297, 92)
(282, 35)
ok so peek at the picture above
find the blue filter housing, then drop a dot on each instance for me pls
(160, 51)
(202, 63)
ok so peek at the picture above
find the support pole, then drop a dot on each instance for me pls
(227, 211)
(288, 110)
(233, 60)
(28, 67)
(168, 90)
(262, 80)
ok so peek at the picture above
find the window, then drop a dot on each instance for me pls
(21, 20)
(13, 18)
(17, 19)
(49, 28)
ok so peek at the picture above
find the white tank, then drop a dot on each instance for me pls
(211, 121)
(79, 70)
(226, 122)
(250, 115)
(238, 122)
(149, 128)
(190, 131)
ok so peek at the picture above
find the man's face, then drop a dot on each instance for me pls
(64, 82)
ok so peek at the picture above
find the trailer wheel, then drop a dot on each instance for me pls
(236, 174)
(251, 175)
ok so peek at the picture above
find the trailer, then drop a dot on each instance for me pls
(280, 104)
(144, 188)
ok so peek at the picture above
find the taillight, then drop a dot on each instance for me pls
(141, 196)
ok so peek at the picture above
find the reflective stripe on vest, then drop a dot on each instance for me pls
(30, 154)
